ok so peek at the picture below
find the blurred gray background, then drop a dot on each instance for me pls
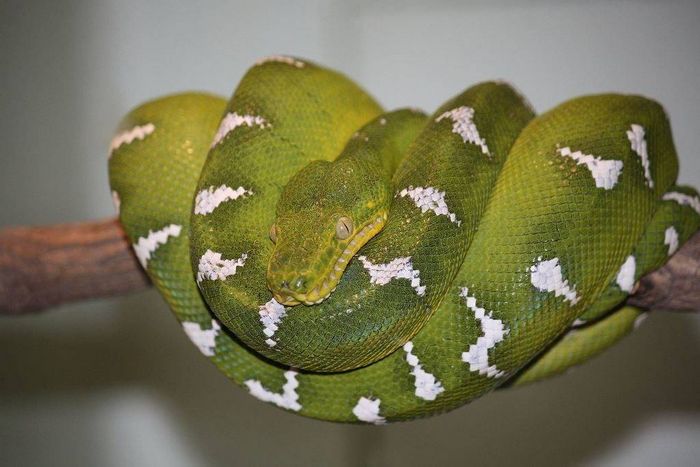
(111, 382)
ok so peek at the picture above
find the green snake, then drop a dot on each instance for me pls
(356, 265)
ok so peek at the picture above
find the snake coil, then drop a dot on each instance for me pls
(507, 247)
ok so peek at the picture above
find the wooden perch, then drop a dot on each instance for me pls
(41, 267)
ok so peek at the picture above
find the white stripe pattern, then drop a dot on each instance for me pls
(288, 399)
(367, 410)
(639, 145)
(204, 339)
(625, 277)
(683, 200)
(281, 59)
(127, 137)
(604, 172)
(213, 267)
(210, 198)
(640, 319)
(463, 125)
(546, 276)
(671, 239)
(146, 246)
(494, 331)
(232, 120)
(427, 386)
(271, 313)
(430, 199)
(399, 268)
(116, 201)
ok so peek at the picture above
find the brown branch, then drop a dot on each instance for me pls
(41, 267)
(676, 285)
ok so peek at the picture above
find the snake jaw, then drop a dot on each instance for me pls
(323, 288)
(285, 300)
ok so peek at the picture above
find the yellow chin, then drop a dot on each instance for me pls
(323, 290)
(285, 300)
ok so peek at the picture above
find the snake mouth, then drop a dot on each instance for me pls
(325, 286)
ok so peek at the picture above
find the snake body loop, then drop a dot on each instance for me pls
(354, 265)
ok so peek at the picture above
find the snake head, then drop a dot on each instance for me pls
(325, 214)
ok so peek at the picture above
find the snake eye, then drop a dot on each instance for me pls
(343, 228)
(273, 233)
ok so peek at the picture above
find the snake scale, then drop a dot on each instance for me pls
(356, 265)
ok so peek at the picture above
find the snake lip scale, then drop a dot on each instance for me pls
(353, 264)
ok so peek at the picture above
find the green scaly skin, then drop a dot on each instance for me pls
(310, 257)
(496, 239)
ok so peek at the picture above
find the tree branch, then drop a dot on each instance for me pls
(41, 267)
(676, 285)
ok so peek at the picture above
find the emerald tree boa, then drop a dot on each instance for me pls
(356, 265)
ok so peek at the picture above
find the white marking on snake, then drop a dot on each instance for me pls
(146, 246)
(494, 332)
(399, 268)
(367, 410)
(639, 145)
(288, 399)
(427, 386)
(546, 276)
(578, 323)
(683, 200)
(625, 277)
(640, 319)
(281, 59)
(430, 199)
(138, 132)
(213, 267)
(271, 314)
(671, 239)
(232, 120)
(604, 172)
(205, 339)
(210, 198)
(463, 125)
(116, 201)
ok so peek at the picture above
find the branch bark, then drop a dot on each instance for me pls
(41, 267)
(676, 285)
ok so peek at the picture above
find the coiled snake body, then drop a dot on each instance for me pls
(353, 265)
